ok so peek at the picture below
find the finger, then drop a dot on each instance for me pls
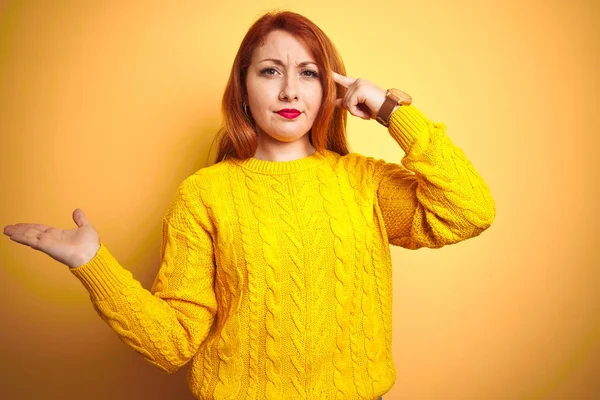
(365, 111)
(354, 103)
(360, 110)
(22, 227)
(348, 97)
(345, 81)
(342, 103)
(28, 238)
(353, 100)
(80, 218)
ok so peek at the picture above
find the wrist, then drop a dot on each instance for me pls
(85, 258)
(394, 98)
(393, 111)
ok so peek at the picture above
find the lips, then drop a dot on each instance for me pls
(289, 113)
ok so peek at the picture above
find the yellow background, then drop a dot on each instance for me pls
(109, 105)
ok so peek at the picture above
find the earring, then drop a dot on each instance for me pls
(246, 110)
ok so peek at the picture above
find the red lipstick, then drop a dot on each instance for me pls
(289, 113)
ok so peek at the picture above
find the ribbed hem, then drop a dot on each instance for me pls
(407, 124)
(102, 275)
(281, 167)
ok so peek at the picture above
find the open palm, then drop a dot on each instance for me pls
(72, 247)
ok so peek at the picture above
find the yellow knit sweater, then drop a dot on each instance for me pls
(276, 277)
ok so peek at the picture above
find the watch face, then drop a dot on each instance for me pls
(404, 97)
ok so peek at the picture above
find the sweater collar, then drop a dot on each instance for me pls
(282, 167)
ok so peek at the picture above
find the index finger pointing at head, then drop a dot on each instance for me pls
(345, 81)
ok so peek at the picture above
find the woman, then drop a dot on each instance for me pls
(276, 275)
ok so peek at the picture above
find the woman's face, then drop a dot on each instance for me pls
(283, 75)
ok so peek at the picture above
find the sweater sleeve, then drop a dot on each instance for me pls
(166, 324)
(435, 196)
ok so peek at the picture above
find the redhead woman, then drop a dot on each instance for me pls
(276, 274)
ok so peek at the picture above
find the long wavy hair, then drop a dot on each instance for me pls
(237, 136)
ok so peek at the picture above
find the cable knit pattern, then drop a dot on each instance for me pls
(276, 277)
(272, 302)
(343, 273)
(252, 292)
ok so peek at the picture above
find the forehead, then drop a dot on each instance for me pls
(282, 45)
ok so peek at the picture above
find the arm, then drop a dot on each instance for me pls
(167, 324)
(435, 196)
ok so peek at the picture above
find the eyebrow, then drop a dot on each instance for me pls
(278, 61)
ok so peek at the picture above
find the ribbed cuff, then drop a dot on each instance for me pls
(103, 275)
(407, 125)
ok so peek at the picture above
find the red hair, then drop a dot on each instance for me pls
(237, 136)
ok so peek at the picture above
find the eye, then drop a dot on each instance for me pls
(267, 71)
(312, 73)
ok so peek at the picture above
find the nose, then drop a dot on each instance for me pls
(290, 90)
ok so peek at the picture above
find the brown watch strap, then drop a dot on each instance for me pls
(391, 101)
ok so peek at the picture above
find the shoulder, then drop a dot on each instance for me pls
(196, 193)
(211, 171)
(206, 178)
(194, 190)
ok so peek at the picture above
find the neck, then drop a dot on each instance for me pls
(270, 149)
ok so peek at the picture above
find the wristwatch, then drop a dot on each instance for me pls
(393, 97)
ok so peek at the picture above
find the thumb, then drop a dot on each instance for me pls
(80, 218)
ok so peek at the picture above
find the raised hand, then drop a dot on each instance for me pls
(363, 98)
(73, 247)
